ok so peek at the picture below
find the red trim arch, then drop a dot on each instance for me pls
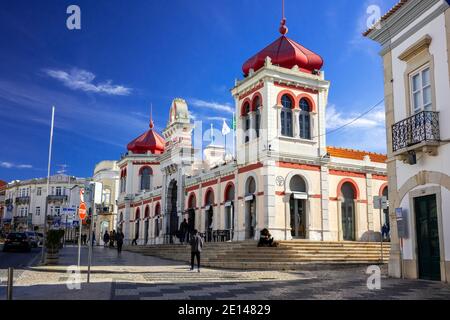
(227, 188)
(192, 198)
(137, 214)
(354, 185)
(145, 167)
(207, 193)
(256, 95)
(247, 100)
(310, 100)
(157, 209)
(290, 94)
(384, 186)
(147, 212)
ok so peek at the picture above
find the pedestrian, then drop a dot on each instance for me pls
(184, 228)
(112, 238)
(196, 249)
(134, 242)
(93, 238)
(119, 238)
(106, 238)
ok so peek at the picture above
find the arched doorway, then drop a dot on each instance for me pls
(229, 211)
(297, 205)
(146, 224)
(192, 205)
(250, 208)
(209, 215)
(172, 199)
(348, 194)
(137, 223)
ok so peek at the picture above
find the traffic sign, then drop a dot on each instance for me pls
(82, 211)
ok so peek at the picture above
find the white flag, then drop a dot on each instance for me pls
(225, 129)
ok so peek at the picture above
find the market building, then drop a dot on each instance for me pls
(415, 39)
(284, 177)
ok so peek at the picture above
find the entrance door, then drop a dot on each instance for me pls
(191, 220)
(251, 220)
(298, 218)
(348, 219)
(146, 231)
(209, 224)
(427, 234)
(137, 230)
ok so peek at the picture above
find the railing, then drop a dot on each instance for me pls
(20, 200)
(421, 127)
(57, 198)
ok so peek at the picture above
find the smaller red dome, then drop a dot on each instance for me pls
(285, 53)
(148, 141)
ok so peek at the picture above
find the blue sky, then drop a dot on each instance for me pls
(129, 54)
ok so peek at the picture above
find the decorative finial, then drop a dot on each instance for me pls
(152, 125)
(283, 28)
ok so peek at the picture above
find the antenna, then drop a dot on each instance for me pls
(283, 28)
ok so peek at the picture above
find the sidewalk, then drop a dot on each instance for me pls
(109, 269)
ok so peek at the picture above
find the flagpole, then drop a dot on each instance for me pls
(225, 154)
(48, 186)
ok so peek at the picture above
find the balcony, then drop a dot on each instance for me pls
(23, 200)
(57, 198)
(421, 131)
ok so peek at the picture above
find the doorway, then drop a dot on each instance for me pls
(173, 214)
(427, 235)
(298, 218)
(250, 204)
(146, 225)
(348, 211)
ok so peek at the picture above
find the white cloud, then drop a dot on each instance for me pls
(367, 133)
(335, 119)
(83, 80)
(10, 165)
(224, 107)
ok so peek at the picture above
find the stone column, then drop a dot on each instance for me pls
(369, 195)
(324, 201)
(295, 122)
(126, 222)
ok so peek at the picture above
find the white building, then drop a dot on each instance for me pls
(26, 201)
(107, 173)
(415, 36)
(285, 177)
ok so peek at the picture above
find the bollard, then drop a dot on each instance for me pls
(9, 293)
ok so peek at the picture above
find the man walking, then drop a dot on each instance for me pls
(119, 239)
(196, 248)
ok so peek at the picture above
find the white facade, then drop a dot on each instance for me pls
(416, 53)
(27, 200)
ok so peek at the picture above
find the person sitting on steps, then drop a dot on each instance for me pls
(266, 239)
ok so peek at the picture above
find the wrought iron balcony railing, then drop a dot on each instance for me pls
(57, 198)
(22, 200)
(420, 128)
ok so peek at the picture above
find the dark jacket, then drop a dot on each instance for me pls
(196, 243)
(119, 237)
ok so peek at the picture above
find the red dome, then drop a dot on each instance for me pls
(149, 141)
(285, 53)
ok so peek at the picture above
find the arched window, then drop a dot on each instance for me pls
(147, 212)
(297, 184)
(246, 121)
(123, 181)
(137, 214)
(305, 119)
(251, 186)
(286, 116)
(146, 173)
(257, 108)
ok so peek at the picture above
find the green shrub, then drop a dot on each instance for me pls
(53, 239)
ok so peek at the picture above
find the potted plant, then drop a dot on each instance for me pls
(53, 244)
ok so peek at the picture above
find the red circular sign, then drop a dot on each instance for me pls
(82, 211)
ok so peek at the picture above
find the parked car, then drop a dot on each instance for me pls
(34, 238)
(17, 240)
